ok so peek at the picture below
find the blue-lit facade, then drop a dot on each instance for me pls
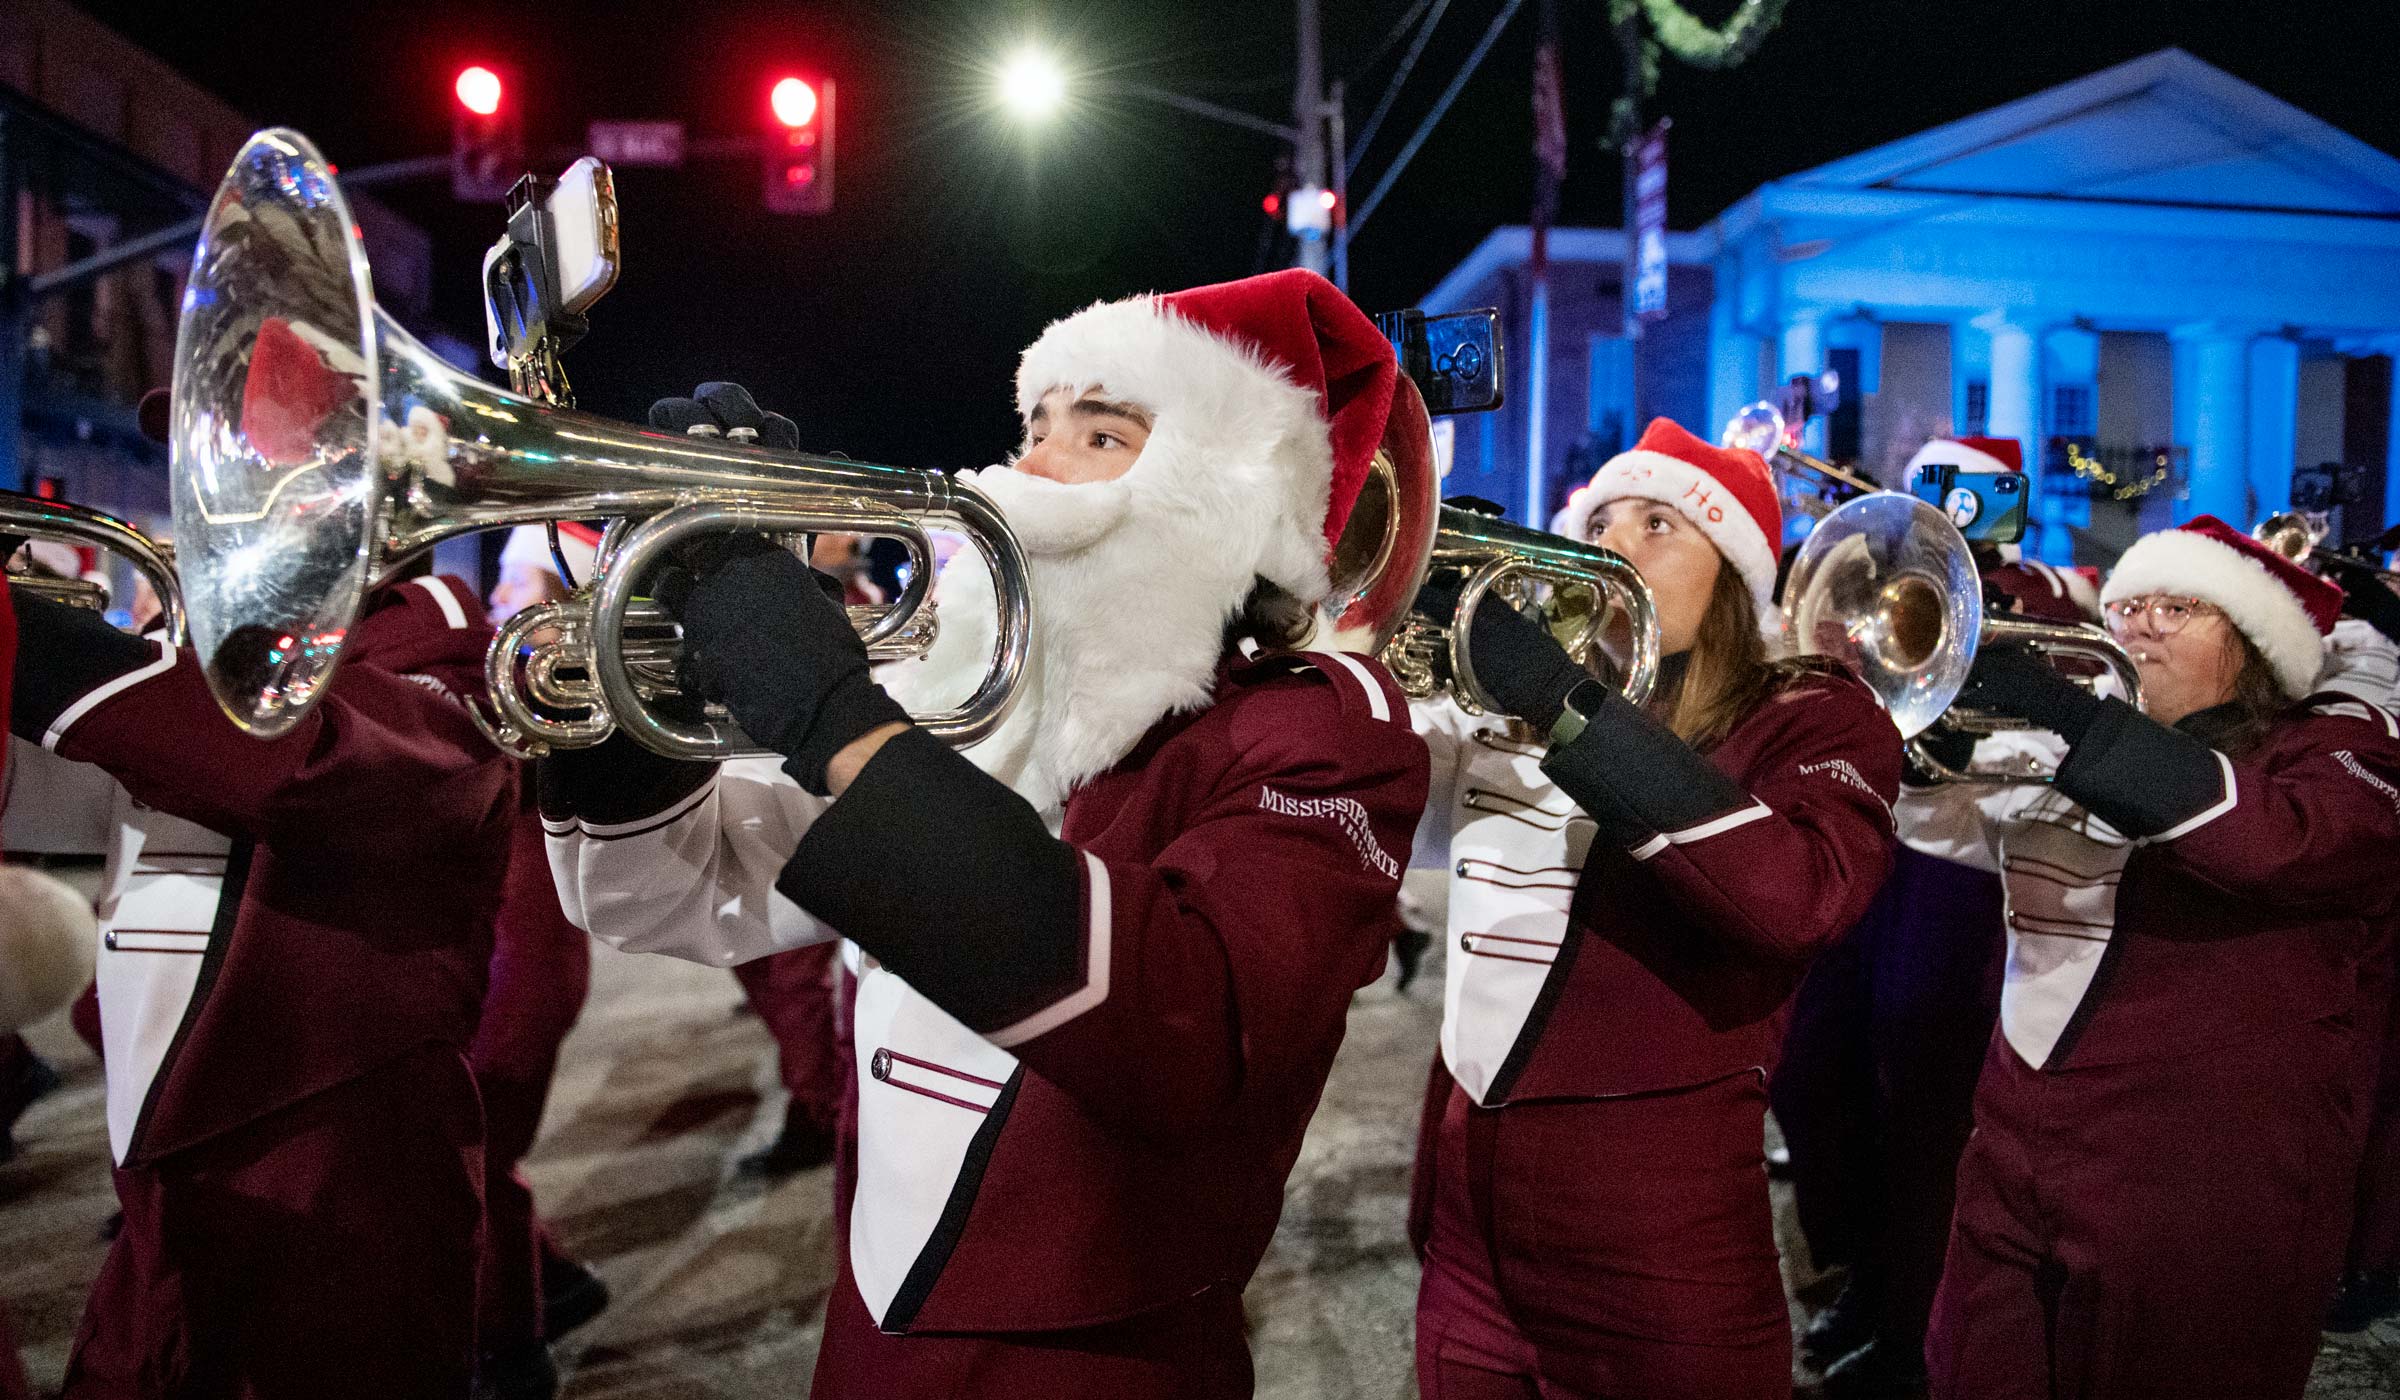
(2158, 265)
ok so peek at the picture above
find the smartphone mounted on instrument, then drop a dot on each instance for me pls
(1454, 358)
(557, 258)
(1988, 507)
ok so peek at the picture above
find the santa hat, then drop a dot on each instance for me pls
(2046, 591)
(2283, 609)
(1278, 385)
(529, 548)
(1724, 491)
(1974, 454)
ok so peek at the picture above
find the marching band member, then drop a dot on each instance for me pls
(2156, 1195)
(1106, 953)
(2363, 659)
(1636, 892)
(1875, 1092)
(289, 1104)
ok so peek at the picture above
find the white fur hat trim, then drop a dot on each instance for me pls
(2182, 562)
(1697, 497)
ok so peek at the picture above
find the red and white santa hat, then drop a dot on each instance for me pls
(1725, 491)
(2283, 609)
(528, 547)
(1974, 454)
(1268, 399)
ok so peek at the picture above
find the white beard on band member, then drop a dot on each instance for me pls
(1131, 591)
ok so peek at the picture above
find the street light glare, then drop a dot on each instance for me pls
(1032, 84)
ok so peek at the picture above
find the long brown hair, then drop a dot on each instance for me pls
(1727, 673)
(2257, 698)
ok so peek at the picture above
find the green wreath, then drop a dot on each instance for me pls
(1675, 29)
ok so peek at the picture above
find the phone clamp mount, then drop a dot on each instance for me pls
(531, 326)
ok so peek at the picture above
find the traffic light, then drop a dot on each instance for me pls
(799, 155)
(487, 138)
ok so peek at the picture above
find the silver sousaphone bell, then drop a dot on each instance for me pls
(316, 445)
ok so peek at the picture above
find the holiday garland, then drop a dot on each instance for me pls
(1681, 33)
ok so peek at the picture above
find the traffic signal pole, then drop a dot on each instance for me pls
(1308, 119)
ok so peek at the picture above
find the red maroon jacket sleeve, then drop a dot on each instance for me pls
(376, 742)
(1187, 986)
(1232, 957)
(1785, 873)
(2311, 822)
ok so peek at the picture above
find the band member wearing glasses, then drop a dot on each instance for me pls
(1635, 893)
(1105, 954)
(2157, 1194)
(290, 1107)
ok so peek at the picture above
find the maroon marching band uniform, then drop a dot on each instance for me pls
(298, 1135)
(2157, 1192)
(1073, 1206)
(1591, 1200)
(1875, 1091)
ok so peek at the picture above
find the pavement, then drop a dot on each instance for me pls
(719, 1282)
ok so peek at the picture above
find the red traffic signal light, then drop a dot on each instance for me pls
(487, 144)
(799, 151)
(478, 90)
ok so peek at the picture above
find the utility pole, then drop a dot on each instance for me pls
(1308, 119)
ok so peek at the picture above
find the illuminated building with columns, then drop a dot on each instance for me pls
(2158, 267)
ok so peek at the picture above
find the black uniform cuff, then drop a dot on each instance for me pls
(1635, 778)
(950, 879)
(616, 780)
(63, 654)
(2138, 775)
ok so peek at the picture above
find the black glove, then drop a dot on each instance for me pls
(2368, 597)
(2014, 680)
(1516, 658)
(718, 409)
(765, 636)
(1953, 748)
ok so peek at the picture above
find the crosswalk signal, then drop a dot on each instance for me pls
(799, 156)
(487, 141)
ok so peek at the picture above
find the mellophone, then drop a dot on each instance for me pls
(316, 446)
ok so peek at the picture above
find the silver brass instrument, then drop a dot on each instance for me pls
(36, 518)
(1887, 585)
(2300, 536)
(316, 445)
(1588, 589)
(1760, 428)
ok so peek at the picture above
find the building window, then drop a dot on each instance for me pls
(2071, 410)
(1979, 406)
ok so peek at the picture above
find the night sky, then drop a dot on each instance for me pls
(889, 328)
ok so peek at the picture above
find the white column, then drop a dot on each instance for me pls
(2013, 400)
(2391, 437)
(2274, 425)
(1803, 352)
(2212, 403)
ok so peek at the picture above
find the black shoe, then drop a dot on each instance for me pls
(2366, 1297)
(800, 1146)
(1779, 1164)
(572, 1295)
(1878, 1371)
(519, 1373)
(27, 1080)
(1408, 947)
(1847, 1324)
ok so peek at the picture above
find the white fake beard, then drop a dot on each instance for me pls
(1130, 601)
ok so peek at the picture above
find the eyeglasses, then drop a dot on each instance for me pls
(2167, 615)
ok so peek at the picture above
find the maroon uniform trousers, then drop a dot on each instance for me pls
(314, 1253)
(792, 992)
(1646, 1270)
(2139, 1215)
(541, 972)
(2375, 1238)
(1876, 1090)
